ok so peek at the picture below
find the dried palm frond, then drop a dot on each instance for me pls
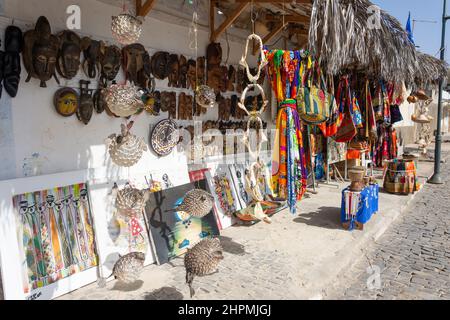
(431, 70)
(343, 36)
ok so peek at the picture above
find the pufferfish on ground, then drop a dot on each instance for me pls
(127, 269)
(202, 260)
(196, 203)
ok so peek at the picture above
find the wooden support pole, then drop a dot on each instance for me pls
(144, 9)
(229, 20)
(212, 17)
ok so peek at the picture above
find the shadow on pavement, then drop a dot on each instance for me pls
(231, 246)
(164, 293)
(120, 286)
(325, 217)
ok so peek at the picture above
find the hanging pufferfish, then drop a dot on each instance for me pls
(196, 203)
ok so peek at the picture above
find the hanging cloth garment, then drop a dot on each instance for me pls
(289, 174)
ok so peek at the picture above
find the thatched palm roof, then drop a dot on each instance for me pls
(345, 34)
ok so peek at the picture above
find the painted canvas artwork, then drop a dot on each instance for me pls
(55, 234)
(237, 172)
(224, 192)
(172, 232)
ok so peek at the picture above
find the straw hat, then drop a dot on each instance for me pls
(421, 95)
(421, 118)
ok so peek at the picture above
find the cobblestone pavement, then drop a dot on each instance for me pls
(413, 255)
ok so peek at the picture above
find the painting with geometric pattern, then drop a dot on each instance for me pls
(55, 234)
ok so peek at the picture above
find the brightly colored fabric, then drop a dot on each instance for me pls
(289, 177)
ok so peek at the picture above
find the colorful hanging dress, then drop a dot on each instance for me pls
(289, 174)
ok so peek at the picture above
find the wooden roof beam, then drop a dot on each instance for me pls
(144, 9)
(228, 21)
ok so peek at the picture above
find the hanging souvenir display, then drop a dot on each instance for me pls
(69, 54)
(66, 101)
(110, 62)
(40, 52)
(86, 107)
(196, 203)
(126, 29)
(125, 149)
(92, 53)
(205, 97)
(130, 201)
(11, 60)
(164, 137)
(202, 260)
(135, 58)
(123, 100)
(262, 59)
(289, 173)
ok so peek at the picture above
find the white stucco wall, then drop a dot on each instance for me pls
(34, 139)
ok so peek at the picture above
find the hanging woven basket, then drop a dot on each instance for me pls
(126, 149)
(126, 29)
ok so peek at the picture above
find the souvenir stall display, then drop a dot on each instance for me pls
(358, 207)
(289, 174)
(401, 177)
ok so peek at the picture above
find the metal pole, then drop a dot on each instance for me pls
(436, 178)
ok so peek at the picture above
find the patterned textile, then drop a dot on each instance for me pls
(289, 174)
(55, 234)
(359, 206)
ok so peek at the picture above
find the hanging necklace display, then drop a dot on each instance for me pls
(262, 63)
(164, 137)
(204, 95)
(125, 149)
(130, 202)
(123, 100)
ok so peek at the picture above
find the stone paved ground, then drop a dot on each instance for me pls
(413, 255)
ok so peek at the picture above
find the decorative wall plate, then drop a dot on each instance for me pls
(164, 137)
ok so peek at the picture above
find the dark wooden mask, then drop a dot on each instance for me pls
(69, 54)
(92, 51)
(110, 62)
(40, 52)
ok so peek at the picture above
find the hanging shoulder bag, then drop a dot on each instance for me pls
(347, 129)
(313, 101)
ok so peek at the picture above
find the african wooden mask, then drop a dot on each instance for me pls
(174, 70)
(66, 101)
(201, 70)
(213, 55)
(41, 52)
(231, 78)
(92, 51)
(110, 62)
(159, 63)
(191, 74)
(133, 63)
(11, 60)
(183, 71)
(86, 108)
(69, 54)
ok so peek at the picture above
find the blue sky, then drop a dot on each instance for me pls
(426, 35)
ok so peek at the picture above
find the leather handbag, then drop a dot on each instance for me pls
(313, 102)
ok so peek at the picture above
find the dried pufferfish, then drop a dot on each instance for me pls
(203, 259)
(127, 269)
(196, 203)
